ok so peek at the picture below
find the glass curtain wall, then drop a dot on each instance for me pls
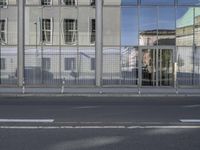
(142, 39)
(188, 46)
(8, 43)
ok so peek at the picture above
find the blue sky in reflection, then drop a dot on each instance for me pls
(190, 2)
(148, 19)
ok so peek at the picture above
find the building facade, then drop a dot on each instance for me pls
(144, 43)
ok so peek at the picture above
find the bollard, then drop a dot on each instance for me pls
(23, 87)
(139, 91)
(63, 86)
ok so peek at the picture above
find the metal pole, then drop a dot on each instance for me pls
(99, 41)
(20, 53)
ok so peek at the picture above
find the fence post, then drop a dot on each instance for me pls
(20, 64)
(99, 42)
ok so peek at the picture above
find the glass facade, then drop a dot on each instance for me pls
(145, 42)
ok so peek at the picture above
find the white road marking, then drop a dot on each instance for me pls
(99, 127)
(191, 106)
(26, 120)
(190, 120)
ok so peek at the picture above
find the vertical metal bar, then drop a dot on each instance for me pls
(175, 52)
(139, 51)
(120, 43)
(156, 65)
(193, 49)
(60, 58)
(20, 53)
(42, 46)
(99, 42)
(0, 52)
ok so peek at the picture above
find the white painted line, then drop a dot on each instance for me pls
(190, 120)
(26, 120)
(99, 127)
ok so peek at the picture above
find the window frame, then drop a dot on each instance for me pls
(64, 3)
(47, 63)
(92, 3)
(5, 32)
(91, 31)
(4, 6)
(74, 63)
(4, 64)
(50, 4)
(92, 66)
(73, 32)
(44, 30)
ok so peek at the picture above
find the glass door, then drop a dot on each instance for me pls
(156, 67)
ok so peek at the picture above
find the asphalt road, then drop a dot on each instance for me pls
(99, 123)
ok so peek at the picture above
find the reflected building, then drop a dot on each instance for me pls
(145, 42)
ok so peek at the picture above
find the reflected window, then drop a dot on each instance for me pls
(3, 31)
(46, 63)
(46, 27)
(69, 2)
(92, 30)
(197, 26)
(46, 2)
(148, 26)
(70, 64)
(157, 2)
(93, 63)
(92, 2)
(3, 63)
(184, 26)
(166, 26)
(3, 3)
(128, 2)
(70, 31)
(188, 2)
(129, 26)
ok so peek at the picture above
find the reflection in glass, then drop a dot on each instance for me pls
(148, 67)
(188, 2)
(184, 26)
(129, 26)
(157, 67)
(197, 26)
(148, 26)
(128, 2)
(166, 26)
(157, 2)
(185, 66)
(129, 65)
(111, 66)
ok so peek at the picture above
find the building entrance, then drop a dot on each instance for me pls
(157, 66)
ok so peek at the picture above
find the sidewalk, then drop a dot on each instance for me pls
(148, 91)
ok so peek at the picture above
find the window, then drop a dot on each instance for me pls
(70, 31)
(70, 2)
(46, 63)
(93, 63)
(46, 2)
(3, 3)
(92, 31)
(92, 2)
(70, 64)
(3, 31)
(3, 63)
(46, 27)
